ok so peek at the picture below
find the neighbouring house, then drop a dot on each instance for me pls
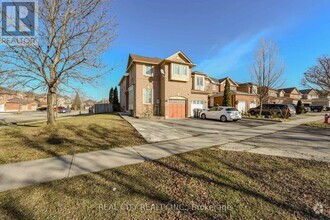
(280, 93)
(11, 100)
(163, 87)
(291, 95)
(63, 101)
(89, 104)
(244, 95)
(309, 94)
(322, 99)
(42, 100)
(18, 104)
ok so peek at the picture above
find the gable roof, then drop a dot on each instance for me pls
(289, 90)
(247, 83)
(138, 58)
(198, 72)
(180, 53)
(19, 101)
(306, 91)
(214, 80)
(224, 79)
(7, 91)
(155, 60)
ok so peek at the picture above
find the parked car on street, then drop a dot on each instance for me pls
(61, 109)
(222, 113)
(42, 109)
(315, 108)
(274, 110)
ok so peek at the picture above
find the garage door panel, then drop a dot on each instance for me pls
(241, 106)
(177, 109)
(196, 104)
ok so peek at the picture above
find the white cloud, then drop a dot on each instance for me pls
(230, 56)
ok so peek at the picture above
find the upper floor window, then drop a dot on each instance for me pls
(234, 88)
(199, 82)
(180, 70)
(147, 96)
(207, 85)
(254, 89)
(214, 87)
(184, 70)
(148, 70)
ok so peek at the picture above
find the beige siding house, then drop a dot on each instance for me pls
(162, 87)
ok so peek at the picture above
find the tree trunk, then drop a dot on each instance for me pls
(261, 103)
(51, 98)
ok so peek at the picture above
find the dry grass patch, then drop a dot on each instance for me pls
(68, 136)
(318, 124)
(224, 185)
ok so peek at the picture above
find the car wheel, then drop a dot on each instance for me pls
(203, 116)
(253, 113)
(223, 118)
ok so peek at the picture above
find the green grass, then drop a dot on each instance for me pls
(68, 136)
(318, 124)
(232, 185)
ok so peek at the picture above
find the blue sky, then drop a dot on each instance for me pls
(217, 35)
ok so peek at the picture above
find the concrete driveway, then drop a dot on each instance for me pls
(287, 139)
(154, 130)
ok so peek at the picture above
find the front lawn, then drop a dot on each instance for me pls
(68, 136)
(204, 184)
(318, 124)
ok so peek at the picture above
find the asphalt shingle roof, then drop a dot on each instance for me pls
(155, 60)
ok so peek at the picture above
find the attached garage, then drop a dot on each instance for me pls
(196, 105)
(241, 106)
(177, 108)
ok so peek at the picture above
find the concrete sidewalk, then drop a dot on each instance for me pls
(27, 173)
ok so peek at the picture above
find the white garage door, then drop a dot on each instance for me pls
(253, 105)
(2, 107)
(196, 104)
(241, 106)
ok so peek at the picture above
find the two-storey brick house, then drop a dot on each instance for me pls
(163, 87)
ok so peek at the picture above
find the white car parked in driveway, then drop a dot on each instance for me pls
(222, 113)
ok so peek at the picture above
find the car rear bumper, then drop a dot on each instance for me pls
(232, 118)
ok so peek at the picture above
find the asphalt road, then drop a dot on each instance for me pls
(29, 116)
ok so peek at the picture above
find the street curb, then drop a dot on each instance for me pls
(263, 119)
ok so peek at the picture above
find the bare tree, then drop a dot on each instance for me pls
(319, 75)
(71, 37)
(266, 69)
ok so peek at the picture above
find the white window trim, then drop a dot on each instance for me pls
(180, 76)
(144, 96)
(214, 87)
(145, 70)
(198, 87)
